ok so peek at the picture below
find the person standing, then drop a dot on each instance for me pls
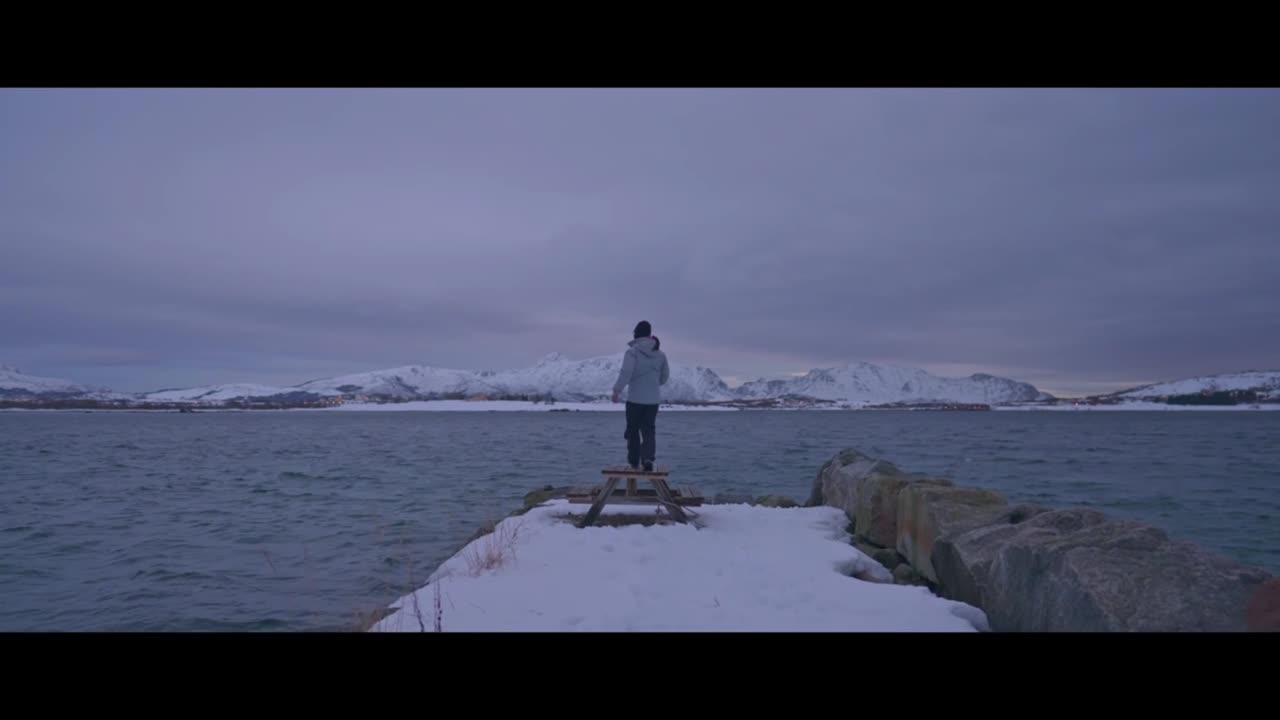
(644, 370)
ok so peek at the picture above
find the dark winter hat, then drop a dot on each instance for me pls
(643, 329)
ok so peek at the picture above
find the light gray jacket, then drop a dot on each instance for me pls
(645, 369)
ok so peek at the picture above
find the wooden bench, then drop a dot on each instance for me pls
(661, 494)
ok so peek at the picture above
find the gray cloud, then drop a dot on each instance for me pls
(1072, 238)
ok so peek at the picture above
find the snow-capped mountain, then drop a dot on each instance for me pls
(1265, 383)
(408, 382)
(564, 379)
(17, 385)
(568, 380)
(593, 379)
(217, 393)
(864, 383)
(555, 375)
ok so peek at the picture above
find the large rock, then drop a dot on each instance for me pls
(867, 548)
(731, 498)
(887, 557)
(928, 511)
(867, 490)
(1077, 570)
(836, 483)
(535, 498)
(876, 510)
(962, 562)
(906, 575)
(775, 501)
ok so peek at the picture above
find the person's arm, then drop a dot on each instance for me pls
(624, 375)
(666, 372)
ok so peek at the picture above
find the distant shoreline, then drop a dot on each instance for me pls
(521, 406)
(585, 386)
(1144, 407)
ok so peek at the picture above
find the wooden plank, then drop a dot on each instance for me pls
(661, 494)
(673, 508)
(624, 471)
(622, 492)
(598, 505)
(647, 499)
(691, 496)
(651, 500)
(641, 493)
(619, 493)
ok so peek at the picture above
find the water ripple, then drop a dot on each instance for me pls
(310, 521)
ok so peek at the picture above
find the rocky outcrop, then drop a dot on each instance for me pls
(876, 509)
(867, 548)
(928, 511)
(867, 490)
(887, 557)
(962, 563)
(1078, 570)
(837, 479)
(904, 574)
(534, 498)
(775, 501)
(1030, 568)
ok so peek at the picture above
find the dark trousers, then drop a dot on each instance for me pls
(641, 425)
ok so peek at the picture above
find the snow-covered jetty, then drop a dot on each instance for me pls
(737, 567)
(874, 548)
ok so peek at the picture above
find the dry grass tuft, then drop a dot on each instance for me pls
(439, 609)
(366, 620)
(495, 549)
(490, 548)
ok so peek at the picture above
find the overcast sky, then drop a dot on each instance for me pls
(1081, 240)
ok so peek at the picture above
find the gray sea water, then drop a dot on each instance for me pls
(292, 521)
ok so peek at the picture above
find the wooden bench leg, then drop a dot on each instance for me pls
(664, 492)
(598, 505)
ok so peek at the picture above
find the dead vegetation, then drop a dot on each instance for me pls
(494, 549)
(491, 547)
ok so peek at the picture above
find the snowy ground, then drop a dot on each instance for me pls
(1252, 380)
(508, 405)
(1136, 405)
(744, 569)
